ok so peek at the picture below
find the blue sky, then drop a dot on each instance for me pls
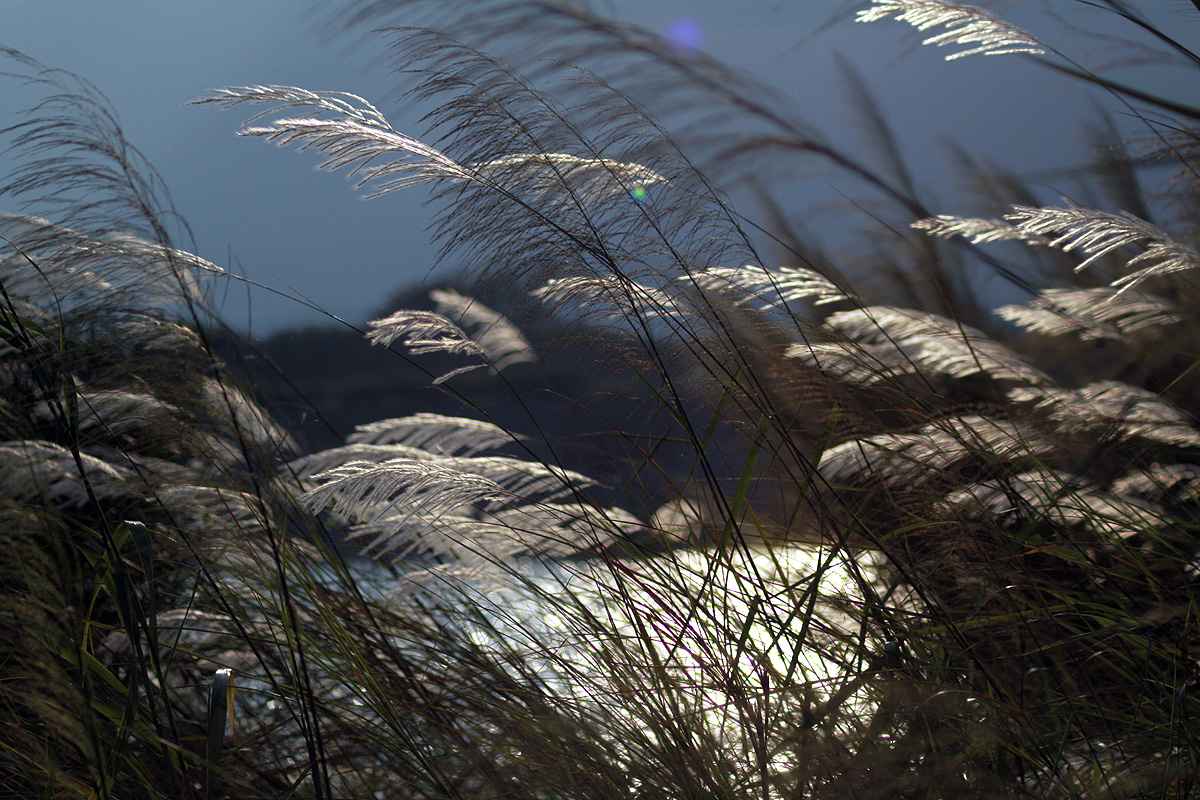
(267, 214)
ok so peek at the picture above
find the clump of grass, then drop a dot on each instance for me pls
(907, 550)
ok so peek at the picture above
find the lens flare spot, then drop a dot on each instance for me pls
(639, 193)
(685, 33)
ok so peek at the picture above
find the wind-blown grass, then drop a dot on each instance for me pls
(906, 551)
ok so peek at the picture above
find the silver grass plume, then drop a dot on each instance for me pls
(453, 509)
(1098, 233)
(515, 478)
(1115, 407)
(1097, 313)
(550, 179)
(503, 341)
(1095, 233)
(213, 509)
(900, 458)
(544, 530)
(679, 520)
(858, 363)
(427, 332)
(399, 497)
(1065, 500)
(86, 273)
(964, 25)
(520, 478)
(435, 433)
(977, 231)
(421, 489)
(246, 419)
(37, 470)
(772, 289)
(527, 479)
(615, 297)
(933, 345)
(313, 464)
(116, 411)
(1161, 483)
(357, 139)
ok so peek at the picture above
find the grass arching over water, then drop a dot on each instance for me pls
(909, 552)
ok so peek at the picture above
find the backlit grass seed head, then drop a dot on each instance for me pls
(1094, 233)
(964, 25)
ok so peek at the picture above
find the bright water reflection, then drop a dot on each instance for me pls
(720, 636)
(725, 648)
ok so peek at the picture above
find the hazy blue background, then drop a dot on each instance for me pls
(266, 213)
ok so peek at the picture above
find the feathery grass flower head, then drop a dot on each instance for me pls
(964, 25)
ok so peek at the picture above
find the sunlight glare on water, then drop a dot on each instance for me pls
(707, 620)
